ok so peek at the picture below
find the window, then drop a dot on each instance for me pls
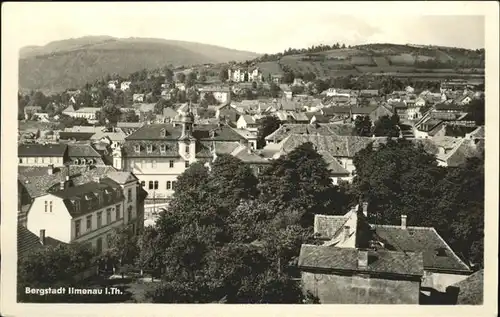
(150, 184)
(36, 159)
(77, 228)
(153, 164)
(171, 164)
(89, 223)
(99, 219)
(143, 184)
(45, 206)
(108, 216)
(162, 133)
(137, 148)
(50, 206)
(50, 160)
(169, 185)
(20, 160)
(118, 213)
(163, 148)
(129, 195)
(129, 211)
(150, 148)
(156, 184)
(108, 240)
(186, 164)
(187, 148)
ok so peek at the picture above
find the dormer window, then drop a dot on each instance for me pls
(149, 148)
(162, 133)
(137, 148)
(163, 148)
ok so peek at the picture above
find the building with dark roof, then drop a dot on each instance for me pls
(90, 211)
(441, 267)
(41, 154)
(158, 153)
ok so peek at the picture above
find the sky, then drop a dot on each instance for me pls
(262, 27)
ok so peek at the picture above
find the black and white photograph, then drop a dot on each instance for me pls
(249, 153)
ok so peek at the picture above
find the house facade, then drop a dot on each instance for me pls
(88, 213)
(88, 113)
(221, 94)
(42, 154)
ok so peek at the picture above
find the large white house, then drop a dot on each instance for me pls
(88, 113)
(88, 212)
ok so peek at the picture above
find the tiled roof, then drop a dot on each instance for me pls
(419, 239)
(145, 107)
(169, 112)
(471, 289)
(249, 157)
(333, 165)
(27, 241)
(88, 109)
(30, 150)
(448, 106)
(81, 150)
(459, 154)
(223, 147)
(87, 129)
(346, 259)
(201, 132)
(37, 181)
(289, 105)
(331, 111)
(287, 129)
(478, 133)
(122, 177)
(325, 226)
(118, 136)
(75, 135)
(248, 119)
(364, 110)
(129, 124)
(87, 196)
(299, 116)
(338, 146)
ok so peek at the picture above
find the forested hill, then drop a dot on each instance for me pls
(72, 63)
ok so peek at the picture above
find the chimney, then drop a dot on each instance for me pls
(365, 208)
(362, 259)
(346, 231)
(51, 169)
(42, 236)
(403, 221)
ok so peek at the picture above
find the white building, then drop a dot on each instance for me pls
(88, 213)
(221, 93)
(86, 112)
(124, 86)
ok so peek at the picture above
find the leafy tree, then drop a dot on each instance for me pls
(476, 110)
(149, 255)
(181, 77)
(387, 126)
(110, 112)
(363, 126)
(131, 116)
(191, 79)
(288, 77)
(299, 184)
(267, 125)
(209, 99)
(396, 179)
(123, 245)
(192, 95)
(162, 104)
(169, 74)
(223, 74)
(274, 89)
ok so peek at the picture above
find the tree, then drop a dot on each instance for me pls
(181, 77)
(299, 184)
(169, 74)
(274, 89)
(208, 99)
(387, 126)
(267, 125)
(162, 104)
(191, 79)
(131, 116)
(123, 245)
(476, 110)
(288, 77)
(397, 179)
(111, 113)
(192, 95)
(149, 255)
(363, 126)
(223, 74)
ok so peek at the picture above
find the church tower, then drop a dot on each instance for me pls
(187, 143)
(117, 158)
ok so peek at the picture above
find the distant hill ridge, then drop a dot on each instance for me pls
(74, 62)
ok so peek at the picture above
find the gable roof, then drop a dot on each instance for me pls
(298, 128)
(37, 181)
(122, 177)
(30, 150)
(81, 150)
(248, 119)
(169, 112)
(27, 241)
(325, 226)
(79, 136)
(346, 259)
(421, 239)
(471, 289)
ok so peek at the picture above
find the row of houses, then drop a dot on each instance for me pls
(355, 261)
